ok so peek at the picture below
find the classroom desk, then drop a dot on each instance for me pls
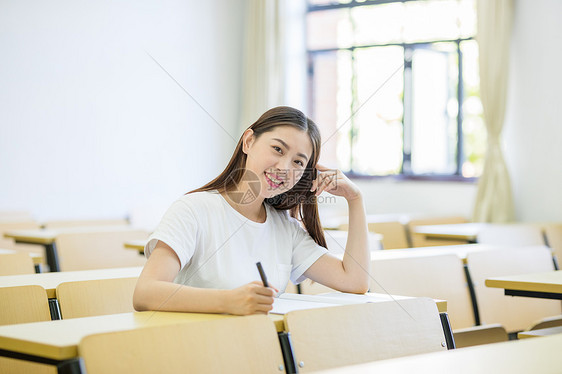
(546, 285)
(523, 356)
(37, 258)
(50, 281)
(461, 250)
(56, 342)
(540, 332)
(47, 238)
(137, 245)
(460, 231)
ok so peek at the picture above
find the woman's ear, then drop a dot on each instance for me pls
(247, 140)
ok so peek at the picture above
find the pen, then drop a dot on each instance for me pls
(262, 274)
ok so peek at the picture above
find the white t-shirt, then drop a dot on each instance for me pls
(218, 247)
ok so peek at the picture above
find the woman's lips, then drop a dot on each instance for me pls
(271, 183)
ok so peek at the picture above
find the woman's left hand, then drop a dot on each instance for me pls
(334, 182)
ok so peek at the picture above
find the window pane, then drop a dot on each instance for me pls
(331, 105)
(434, 109)
(329, 29)
(431, 20)
(378, 24)
(378, 119)
(474, 130)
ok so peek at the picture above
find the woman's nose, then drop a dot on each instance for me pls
(284, 166)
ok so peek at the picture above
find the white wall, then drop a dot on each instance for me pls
(533, 128)
(91, 126)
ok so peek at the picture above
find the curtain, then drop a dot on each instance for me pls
(494, 202)
(263, 61)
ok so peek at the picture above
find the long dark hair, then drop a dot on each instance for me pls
(299, 200)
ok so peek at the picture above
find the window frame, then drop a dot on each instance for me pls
(405, 172)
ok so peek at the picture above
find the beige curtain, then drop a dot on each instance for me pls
(494, 201)
(263, 72)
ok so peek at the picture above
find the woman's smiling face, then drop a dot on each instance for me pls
(277, 157)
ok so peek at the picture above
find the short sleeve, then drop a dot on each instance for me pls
(178, 229)
(305, 252)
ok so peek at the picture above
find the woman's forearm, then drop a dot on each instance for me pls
(356, 260)
(167, 296)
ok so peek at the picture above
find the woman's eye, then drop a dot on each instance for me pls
(300, 163)
(277, 149)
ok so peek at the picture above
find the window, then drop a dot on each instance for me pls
(394, 86)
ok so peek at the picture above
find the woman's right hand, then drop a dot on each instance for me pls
(252, 298)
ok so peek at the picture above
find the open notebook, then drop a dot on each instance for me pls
(288, 302)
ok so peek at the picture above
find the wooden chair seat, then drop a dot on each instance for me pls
(233, 345)
(98, 249)
(438, 277)
(519, 235)
(351, 334)
(515, 313)
(16, 263)
(96, 297)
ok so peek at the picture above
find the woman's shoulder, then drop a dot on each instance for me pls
(200, 200)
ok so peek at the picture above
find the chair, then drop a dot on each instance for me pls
(83, 223)
(16, 263)
(337, 239)
(438, 277)
(419, 240)
(99, 249)
(96, 297)
(351, 334)
(393, 233)
(553, 236)
(511, 235)
(233, 345)
(24, 304)
(515, 313)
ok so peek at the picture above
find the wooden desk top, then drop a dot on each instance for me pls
(464, 231)
(46, 237)
(137, 245)
(523, 356)
(36, 257)
(460, 250)
(50, 281)
(540, 333)
(550, 281)
(59, 339)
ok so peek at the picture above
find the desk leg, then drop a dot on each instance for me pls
(287, 350)
(74, 366)
(54, 309)
(449, 339)
(71, 366)
(472, 296)
(37, 268)
(52, 257)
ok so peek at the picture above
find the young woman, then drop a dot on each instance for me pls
(202, 256)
